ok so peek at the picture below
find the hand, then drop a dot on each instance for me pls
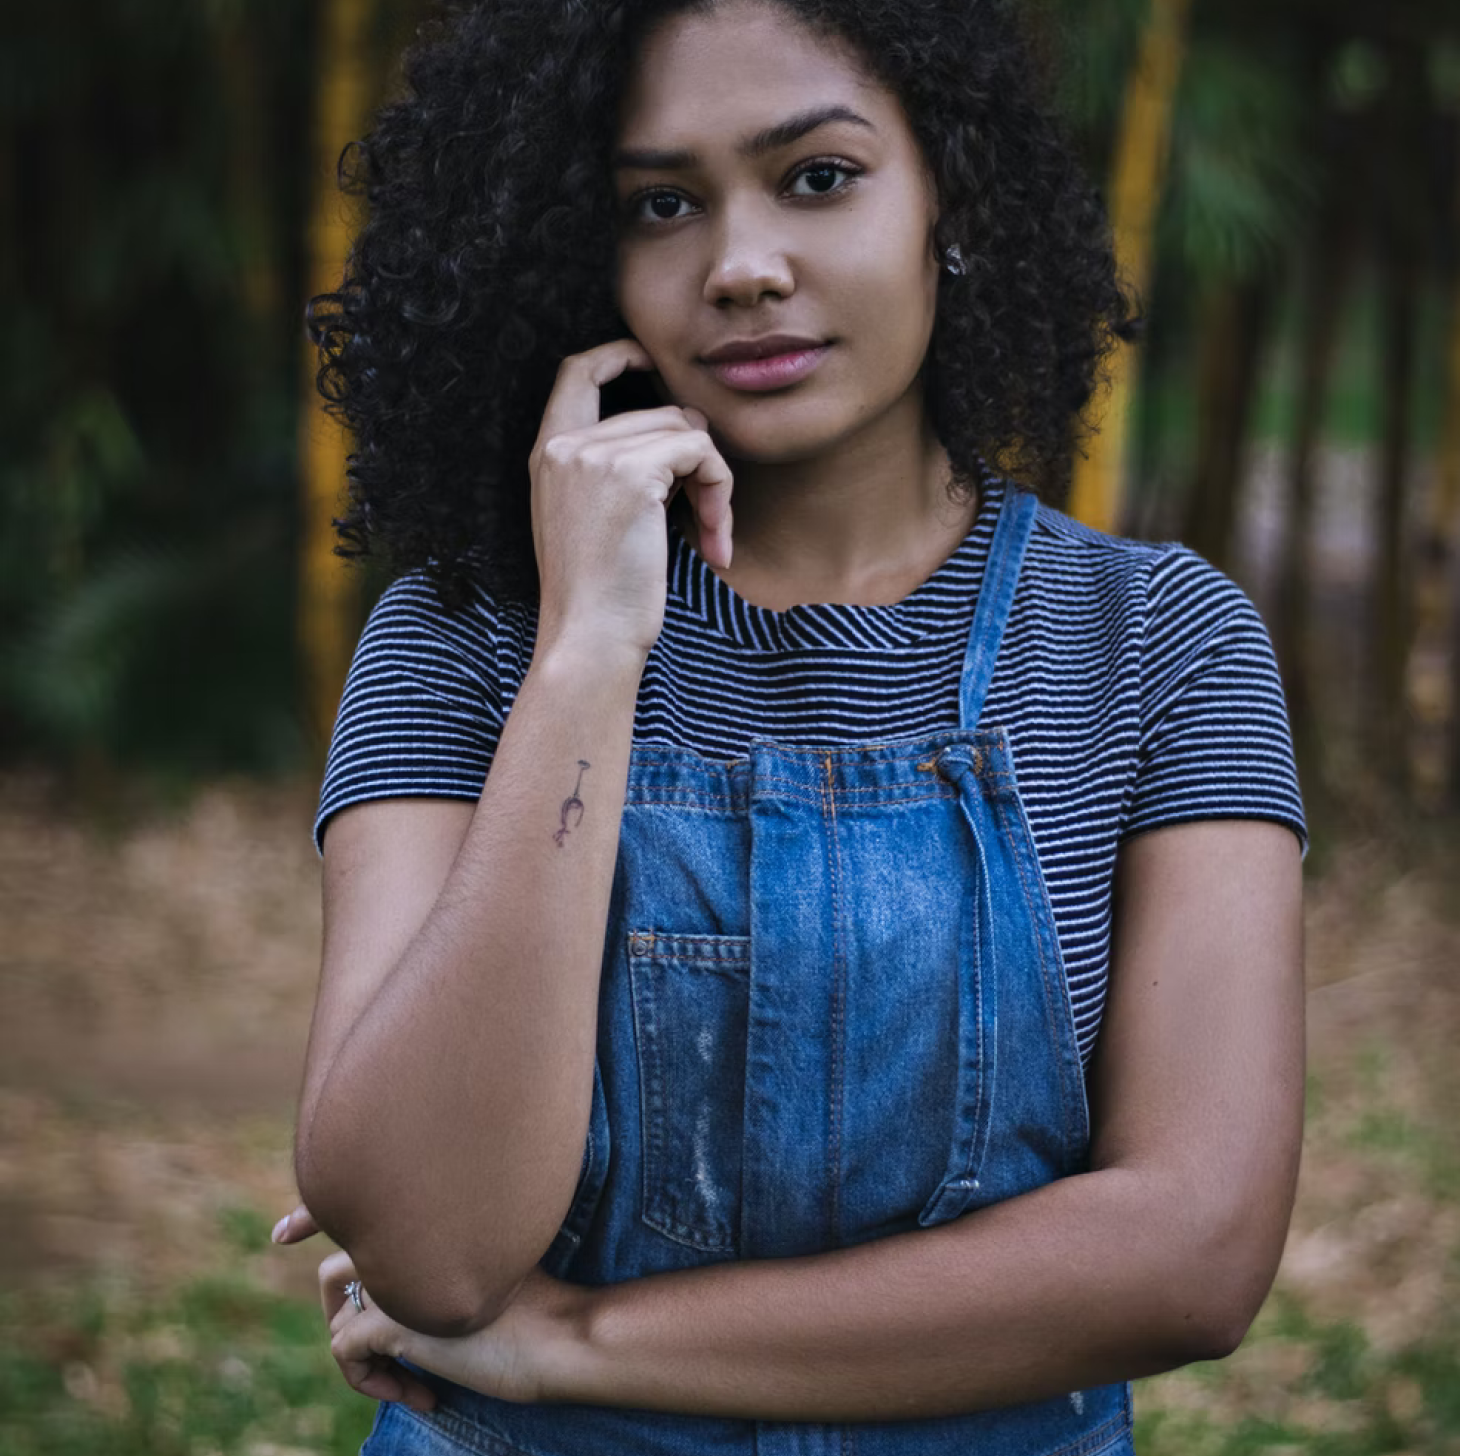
(599, 492)
(523, 1355)
(296, 1226)
(369, 1368)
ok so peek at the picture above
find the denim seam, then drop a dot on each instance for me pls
(1034, 907)
(1041, 915)
(1090, 1443)
(454, 1426)
(653, 1112)
(837, 1008)
(732, 950)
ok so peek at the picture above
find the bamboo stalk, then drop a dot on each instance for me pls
(328, 593)
(1142, 147)
(1444, 525)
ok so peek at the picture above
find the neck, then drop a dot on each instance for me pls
(865, 523)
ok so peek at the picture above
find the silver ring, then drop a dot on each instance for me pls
(354, 1289)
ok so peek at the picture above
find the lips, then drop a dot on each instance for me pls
(764, 347)
(773, 362)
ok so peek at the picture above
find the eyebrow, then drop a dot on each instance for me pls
(769, 140)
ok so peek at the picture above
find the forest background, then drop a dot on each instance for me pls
(1283, 180)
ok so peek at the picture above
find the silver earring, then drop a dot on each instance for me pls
(953, 261)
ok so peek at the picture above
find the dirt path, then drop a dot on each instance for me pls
(157, 982)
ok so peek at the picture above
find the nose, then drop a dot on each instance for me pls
(749, 261)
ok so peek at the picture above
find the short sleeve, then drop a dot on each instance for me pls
(1215, 742)
(422, 709)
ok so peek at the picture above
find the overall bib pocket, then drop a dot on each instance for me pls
(691, 1003)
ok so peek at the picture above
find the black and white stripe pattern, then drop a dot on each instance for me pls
(1136, 683)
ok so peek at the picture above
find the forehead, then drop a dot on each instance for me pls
(706, 76)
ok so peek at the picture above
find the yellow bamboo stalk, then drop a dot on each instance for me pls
(1141, 149)
(327, 589)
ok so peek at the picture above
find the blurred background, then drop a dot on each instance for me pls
(1283, 178)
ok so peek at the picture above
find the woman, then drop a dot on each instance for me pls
(714, 1076)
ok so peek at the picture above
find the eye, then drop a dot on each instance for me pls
(656, 206)
(821, 178)
(660, 205)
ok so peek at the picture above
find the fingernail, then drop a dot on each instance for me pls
(280, 1229)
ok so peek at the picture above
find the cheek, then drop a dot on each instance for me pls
(642, 299)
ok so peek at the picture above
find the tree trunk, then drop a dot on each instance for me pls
(328, 595)
(1141, 148)
(1391, 601)
(1233, 324)
(1401, 270)
(1332, 261)
(1445, 515)
(252, 224)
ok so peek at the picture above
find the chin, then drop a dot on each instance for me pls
(781, 443)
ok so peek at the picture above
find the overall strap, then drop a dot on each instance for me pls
(995, 598)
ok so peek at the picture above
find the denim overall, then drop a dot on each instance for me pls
(832, 1008)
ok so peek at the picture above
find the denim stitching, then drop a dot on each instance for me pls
(653, 1103)
(1035, 905)
(837, 1008)
(462, 1430)
(1090, 1443)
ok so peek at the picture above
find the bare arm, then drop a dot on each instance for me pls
(1160, 1255)
(449, 1073)
(443, 1120)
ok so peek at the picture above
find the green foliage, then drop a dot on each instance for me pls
(224, 1366)
(156, 164)
(245, 1230)
(147, 486)
(1240, 185)
(1353, 1401)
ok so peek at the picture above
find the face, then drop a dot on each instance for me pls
(768, 186)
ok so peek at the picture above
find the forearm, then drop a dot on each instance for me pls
(1090, 1280)
(444, 1141)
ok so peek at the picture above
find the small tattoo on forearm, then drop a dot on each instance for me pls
(572, 805)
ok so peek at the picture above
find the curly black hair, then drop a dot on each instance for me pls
(489, 255)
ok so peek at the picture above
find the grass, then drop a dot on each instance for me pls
(220, 1366)
(225, 1367)
(1357, 1353)
(1344, 1397)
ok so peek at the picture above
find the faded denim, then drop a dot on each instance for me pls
(832, 1008)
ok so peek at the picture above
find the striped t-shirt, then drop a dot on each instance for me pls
(1136, 685)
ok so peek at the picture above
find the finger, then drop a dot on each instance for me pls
(357, 1345)
(347, 1310)
(334, 1273)
(386, 1380)
(637, 422)
(716, 520)
(709, 487)
(380, 1378)
(574, 403)
(296, 1226)
(675, 458)
(367, 1349)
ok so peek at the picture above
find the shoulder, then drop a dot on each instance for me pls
(410, 624)
(410, 607)
(1060, 541)
(426, 697)
(1162, 587)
